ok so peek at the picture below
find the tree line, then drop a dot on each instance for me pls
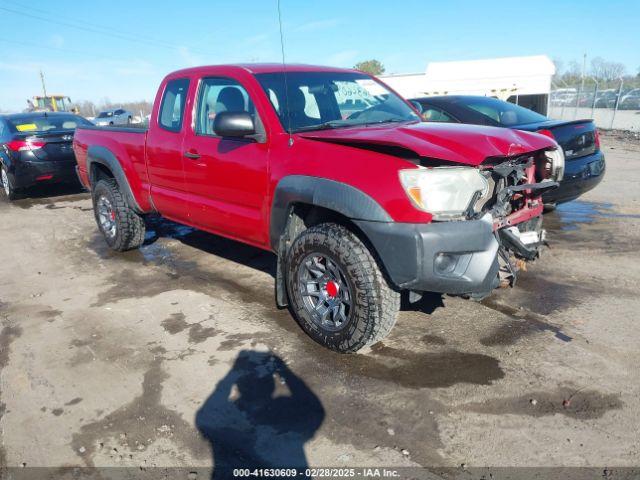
(606, 73)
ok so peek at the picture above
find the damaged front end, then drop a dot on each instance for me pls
(487, 222)
(515, 205)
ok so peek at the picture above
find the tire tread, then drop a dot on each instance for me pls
(130, 228)
(381, 302)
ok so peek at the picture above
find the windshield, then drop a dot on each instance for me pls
(321, 100)
(39, 124)
(105, 115)
(505, 113)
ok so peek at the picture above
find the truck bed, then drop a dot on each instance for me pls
(119, 128)
(128, 144)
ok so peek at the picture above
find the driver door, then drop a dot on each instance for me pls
(227, 177)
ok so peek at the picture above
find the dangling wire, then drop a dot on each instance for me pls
(284, 74)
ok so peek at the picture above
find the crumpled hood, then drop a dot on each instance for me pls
(458, 143)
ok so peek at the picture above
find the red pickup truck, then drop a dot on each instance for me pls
(336, 174)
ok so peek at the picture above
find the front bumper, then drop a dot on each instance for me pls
(580, 175)
(27, 174)
(445, 257)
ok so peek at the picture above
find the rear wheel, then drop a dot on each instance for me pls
(8, 189)
(122, 227)
(338, 294)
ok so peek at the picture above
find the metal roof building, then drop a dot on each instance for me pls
(523, 80)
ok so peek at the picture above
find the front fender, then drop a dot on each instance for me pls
(321, 192)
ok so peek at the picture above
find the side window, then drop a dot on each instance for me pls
(3, 130)
(172, 106)
(220, 95)
(432, 114)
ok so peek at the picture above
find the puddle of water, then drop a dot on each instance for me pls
(572, 214)
(416, 370)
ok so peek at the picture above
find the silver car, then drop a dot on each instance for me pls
(117, 116)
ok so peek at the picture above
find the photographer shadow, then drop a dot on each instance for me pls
(260, 415)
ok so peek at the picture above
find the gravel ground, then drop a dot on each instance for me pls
(176, 356)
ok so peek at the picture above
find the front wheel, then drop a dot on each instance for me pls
(8, 189)
(122, 227)
(338, 294)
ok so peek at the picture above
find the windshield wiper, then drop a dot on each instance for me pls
(391, 120)
(325, 126)
(340, 124)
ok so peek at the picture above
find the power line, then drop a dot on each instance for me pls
(58, 49)
(111, 33)
(84, 23)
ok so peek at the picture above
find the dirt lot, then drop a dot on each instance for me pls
(175, 355)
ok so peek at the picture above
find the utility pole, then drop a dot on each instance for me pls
(581, 89)
(44, 88)
(584, 69)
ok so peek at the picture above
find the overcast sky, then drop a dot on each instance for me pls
(120, 49)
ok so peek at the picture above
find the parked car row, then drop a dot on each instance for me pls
(359, 198)
(118, 116)
(569, 97)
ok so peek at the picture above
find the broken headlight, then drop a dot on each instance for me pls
(447, 193)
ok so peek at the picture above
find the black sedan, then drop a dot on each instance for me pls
(36, 148)
(579, 139)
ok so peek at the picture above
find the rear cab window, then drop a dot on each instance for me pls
(172, 106)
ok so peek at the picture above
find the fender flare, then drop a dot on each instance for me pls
(103, 156)
(321, 192)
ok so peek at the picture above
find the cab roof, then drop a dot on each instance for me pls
(256, 68)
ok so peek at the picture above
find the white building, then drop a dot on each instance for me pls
(522, 80)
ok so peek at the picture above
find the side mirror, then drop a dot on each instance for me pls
(234, 124)
(417, 105)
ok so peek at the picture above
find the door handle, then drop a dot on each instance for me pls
(192, 155)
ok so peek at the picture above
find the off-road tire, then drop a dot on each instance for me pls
(12, 194)
(130, 227)
(375, 302)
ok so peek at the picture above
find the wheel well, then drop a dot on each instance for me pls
(98, 172)
(311, 215)
(303, 216)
